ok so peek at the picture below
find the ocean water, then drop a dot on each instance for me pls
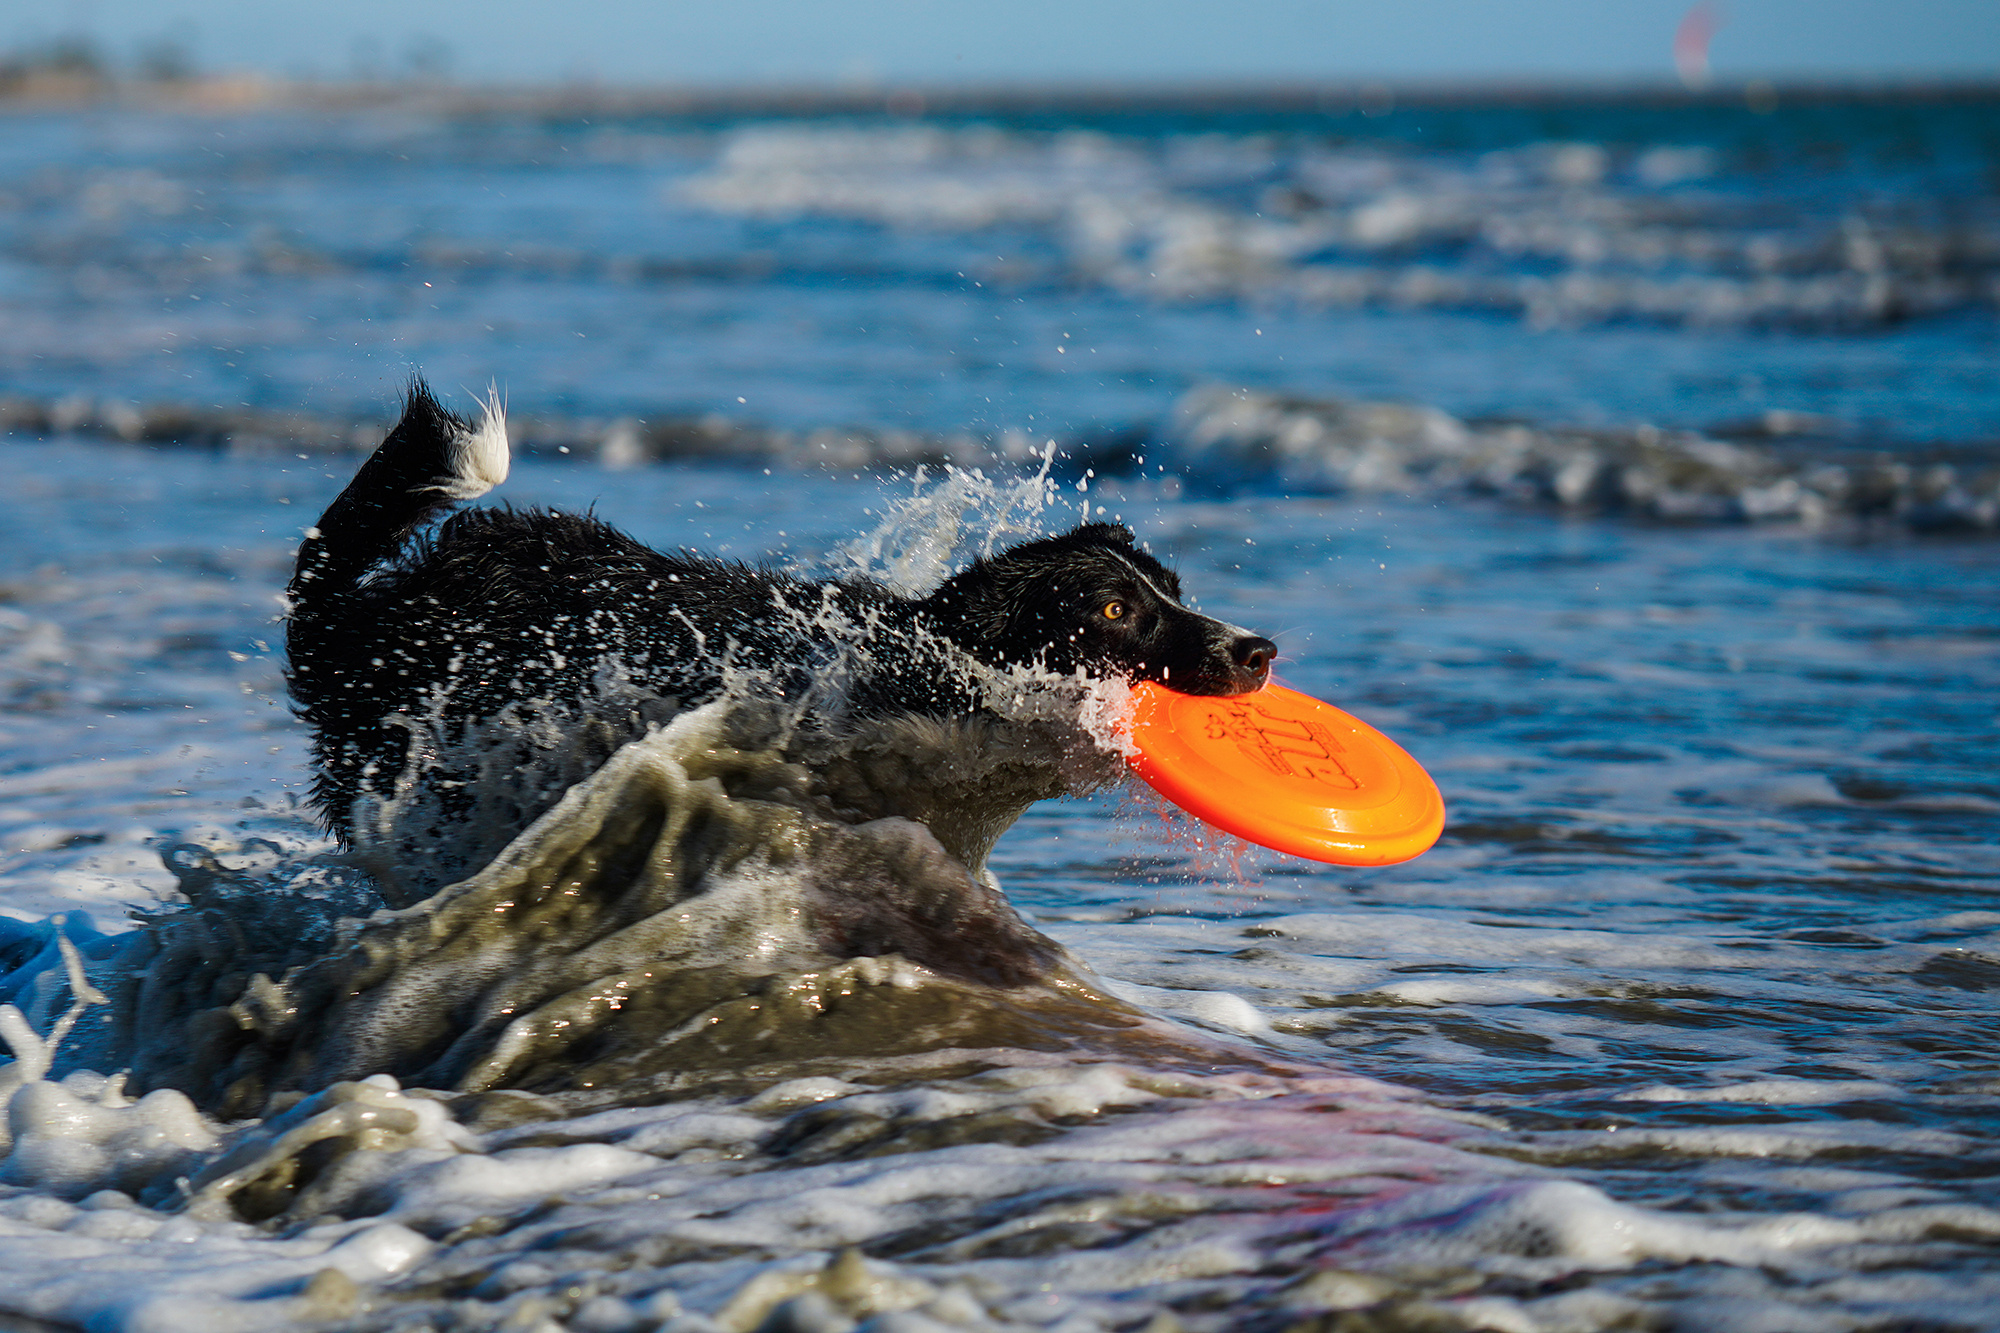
(1688, 1022)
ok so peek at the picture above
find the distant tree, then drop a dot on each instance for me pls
(63, 65)
(165, 59)
(70, 55)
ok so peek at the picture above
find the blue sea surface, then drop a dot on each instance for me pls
(1705, 966)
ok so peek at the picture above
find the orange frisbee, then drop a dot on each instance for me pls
(1288, 772)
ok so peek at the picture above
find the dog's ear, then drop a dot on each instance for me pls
(1121, 539)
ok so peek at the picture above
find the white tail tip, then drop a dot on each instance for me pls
(479, 456)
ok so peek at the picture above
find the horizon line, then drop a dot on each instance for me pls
(1339, 94)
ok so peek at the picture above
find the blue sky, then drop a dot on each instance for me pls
(945, 41)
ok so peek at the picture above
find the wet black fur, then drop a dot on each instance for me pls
(501, 608)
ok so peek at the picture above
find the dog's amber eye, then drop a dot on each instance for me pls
(1114, 610)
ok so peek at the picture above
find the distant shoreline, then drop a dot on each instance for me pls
(42, 90)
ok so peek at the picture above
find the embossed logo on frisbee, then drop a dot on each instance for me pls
(1291, 747)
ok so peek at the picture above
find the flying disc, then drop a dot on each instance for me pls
(1287, 772)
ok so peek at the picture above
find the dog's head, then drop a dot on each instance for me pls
(1092, 599)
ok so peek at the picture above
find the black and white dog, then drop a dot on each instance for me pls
(401, 643)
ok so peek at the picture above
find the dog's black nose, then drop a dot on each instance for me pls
(1254, 655)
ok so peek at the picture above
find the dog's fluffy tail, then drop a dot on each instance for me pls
(433, 459)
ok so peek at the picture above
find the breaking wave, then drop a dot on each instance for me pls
(1557, 233)
(680, 920)
(1777, 466)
